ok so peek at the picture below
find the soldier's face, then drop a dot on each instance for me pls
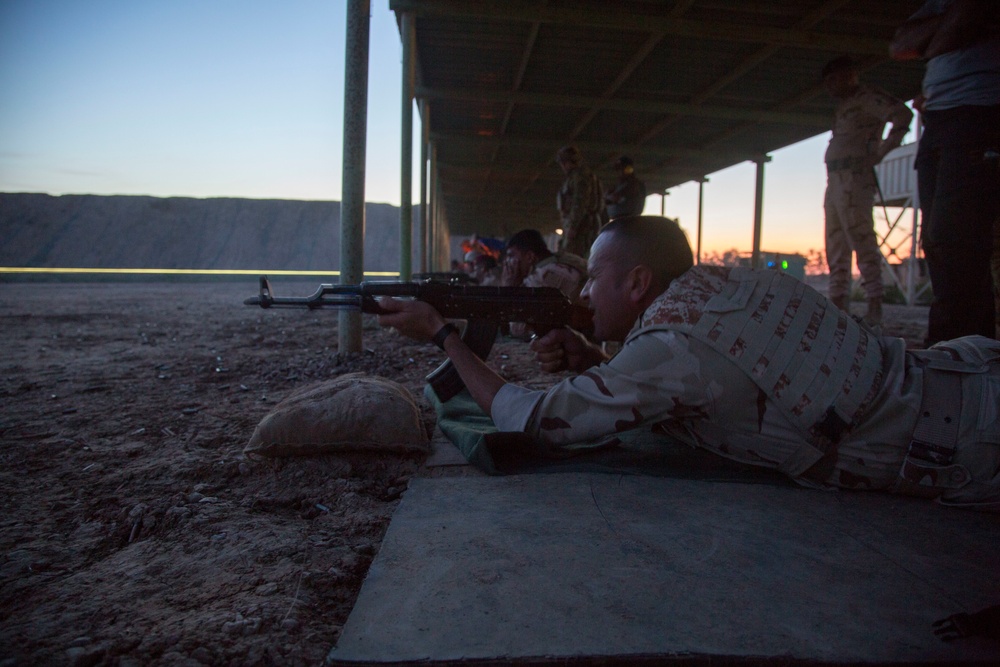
(607, 290)
(841, 83)
(519, 263)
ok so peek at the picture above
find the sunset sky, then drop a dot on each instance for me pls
(245, 99)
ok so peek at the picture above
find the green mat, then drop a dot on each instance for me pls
(639, 451)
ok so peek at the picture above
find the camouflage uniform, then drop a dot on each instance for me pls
(564, 271)
(696, 365)
(581, 209)
(855, 148)
(627, 198)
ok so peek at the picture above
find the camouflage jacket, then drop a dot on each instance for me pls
(675, 384)
(564, 271)
(581, 207)
(858, 123)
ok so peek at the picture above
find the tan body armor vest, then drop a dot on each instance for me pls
(820, 366)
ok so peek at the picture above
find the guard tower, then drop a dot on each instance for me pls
(898, 189)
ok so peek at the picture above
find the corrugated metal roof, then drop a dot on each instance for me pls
(684, 87)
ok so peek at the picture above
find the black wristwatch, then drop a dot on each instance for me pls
(443, 333)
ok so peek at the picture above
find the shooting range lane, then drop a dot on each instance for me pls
(584, 564)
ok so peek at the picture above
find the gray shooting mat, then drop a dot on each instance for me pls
(566, 567)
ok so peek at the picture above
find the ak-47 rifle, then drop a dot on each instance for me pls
(450, 277)
(484, 308)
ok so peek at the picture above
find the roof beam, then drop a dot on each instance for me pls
(749, 63)
(643, 106)
(587, 146)
(615, 19)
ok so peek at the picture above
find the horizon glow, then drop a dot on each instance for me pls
(232, 99)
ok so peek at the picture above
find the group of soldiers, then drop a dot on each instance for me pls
(754, 365)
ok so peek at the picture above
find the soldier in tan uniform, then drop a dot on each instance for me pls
(856, 146)
(528, 262)
(754, 366)
(580, 203)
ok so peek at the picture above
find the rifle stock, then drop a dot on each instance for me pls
(484, 308)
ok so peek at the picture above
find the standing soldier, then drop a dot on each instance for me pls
(629, 196)
(855, 148)
(580, 203)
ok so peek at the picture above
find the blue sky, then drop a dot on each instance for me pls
(220, 98)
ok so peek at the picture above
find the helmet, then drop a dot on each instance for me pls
(837, 65)
(569, 154)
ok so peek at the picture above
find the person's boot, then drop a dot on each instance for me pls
(874, 315)
(840, 302)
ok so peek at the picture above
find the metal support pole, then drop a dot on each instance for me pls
(352, 199)
(663, 203)
(409, 34)
(441, 240)
(441, 232)
(758, 211)
(425, 137)
(435, 206)
(701, 211)
(911, 266)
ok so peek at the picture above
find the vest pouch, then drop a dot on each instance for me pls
(735, 294)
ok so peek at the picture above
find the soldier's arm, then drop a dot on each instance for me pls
(899, 116)
(963, 23)
(420, 321)
(911, 39)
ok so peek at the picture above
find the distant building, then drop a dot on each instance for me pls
(791, 263)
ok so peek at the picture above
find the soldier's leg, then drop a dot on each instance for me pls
(996, 274)
(838, 248)
(861, 232)
(959, 221)
(958, 169)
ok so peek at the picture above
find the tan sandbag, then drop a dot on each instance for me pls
(350, 413)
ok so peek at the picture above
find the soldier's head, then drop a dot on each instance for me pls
(632, 262)
(525, 249)
(840, 77)
(569, 157)
(481, 266)
(624, 165)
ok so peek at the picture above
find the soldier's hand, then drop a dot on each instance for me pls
(566, 349)
(414, 319)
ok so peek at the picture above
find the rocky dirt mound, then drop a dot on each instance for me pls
(134, 530)
(124, 232)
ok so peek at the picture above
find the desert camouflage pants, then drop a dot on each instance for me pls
(971, 431)
(995, 267)
(850, 229)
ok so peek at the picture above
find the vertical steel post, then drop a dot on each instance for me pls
(911, 267)
(425, 137)
(409, 34)
(701, 211)
(352, 199)
(434, 212)
(758, 210)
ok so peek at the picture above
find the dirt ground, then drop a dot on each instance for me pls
(134, 530)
